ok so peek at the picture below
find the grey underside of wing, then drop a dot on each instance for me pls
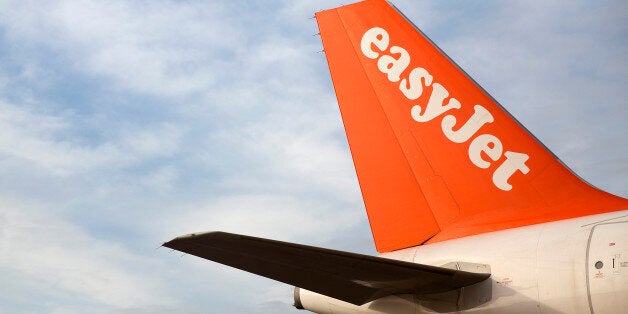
(350, 277)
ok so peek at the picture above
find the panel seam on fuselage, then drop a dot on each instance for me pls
(536, 261)
(586, 268)
(605, 220)
(586, 264)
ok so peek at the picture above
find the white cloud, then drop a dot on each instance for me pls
(165, 48)
(64, 261)
(277, 216)
(41, 139)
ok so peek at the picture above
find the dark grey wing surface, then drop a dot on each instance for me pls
(353, 278)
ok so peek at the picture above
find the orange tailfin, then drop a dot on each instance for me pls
(437, 158)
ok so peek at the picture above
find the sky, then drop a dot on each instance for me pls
(126, 123)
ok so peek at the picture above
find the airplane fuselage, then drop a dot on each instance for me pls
(571, 266)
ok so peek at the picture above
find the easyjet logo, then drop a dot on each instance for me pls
(394, 61)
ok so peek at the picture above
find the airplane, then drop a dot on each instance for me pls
(468, 210)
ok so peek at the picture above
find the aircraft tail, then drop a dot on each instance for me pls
(437, 158)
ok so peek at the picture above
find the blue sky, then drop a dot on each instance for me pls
(126, 123)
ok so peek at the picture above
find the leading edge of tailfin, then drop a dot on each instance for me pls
(436, 157)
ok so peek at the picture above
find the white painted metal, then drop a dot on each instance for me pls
(391, 304)
(608, 283)
(535, 269)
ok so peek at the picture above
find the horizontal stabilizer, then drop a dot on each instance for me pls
(349, 277)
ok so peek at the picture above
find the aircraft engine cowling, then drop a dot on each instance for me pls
(318, 303)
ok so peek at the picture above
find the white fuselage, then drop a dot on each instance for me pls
(577, 265)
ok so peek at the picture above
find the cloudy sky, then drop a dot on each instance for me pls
(126, 123)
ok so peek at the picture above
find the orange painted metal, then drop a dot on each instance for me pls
(418, 185)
